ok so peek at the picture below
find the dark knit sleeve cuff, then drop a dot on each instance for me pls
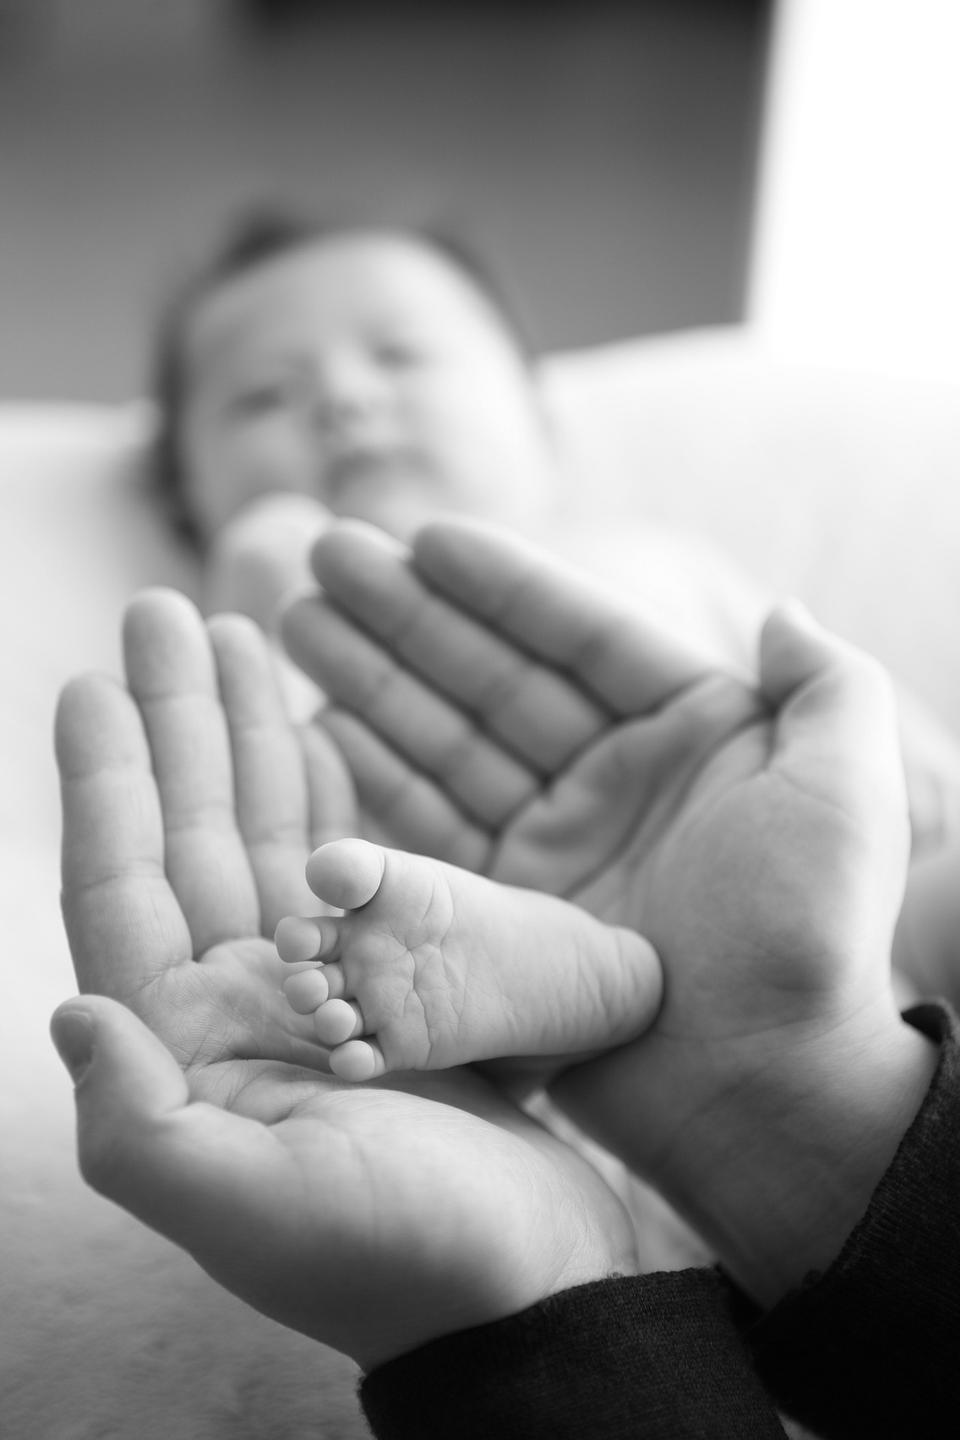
(869, 1347)
(653, 1355)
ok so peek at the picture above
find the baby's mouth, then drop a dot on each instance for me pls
(363, 464)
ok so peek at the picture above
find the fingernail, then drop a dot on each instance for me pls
(72, 1033)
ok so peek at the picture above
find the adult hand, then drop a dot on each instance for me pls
(371, 1218)
(500, 712)
(189, 805)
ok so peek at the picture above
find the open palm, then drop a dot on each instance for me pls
(498, 712)
(370, 1218)
(496, 715)
(190, 804)
(502, 713)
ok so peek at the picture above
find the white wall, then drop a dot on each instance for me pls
(857, 243)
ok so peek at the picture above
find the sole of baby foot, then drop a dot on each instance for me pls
(437, 967)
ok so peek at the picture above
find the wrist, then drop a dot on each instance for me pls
(777, 1186)
(547, 1229)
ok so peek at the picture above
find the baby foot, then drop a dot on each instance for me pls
(434, 966)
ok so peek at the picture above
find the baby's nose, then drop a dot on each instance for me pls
(348, 388)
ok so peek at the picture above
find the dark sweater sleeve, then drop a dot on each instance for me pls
(651, 1357)
(871, 1347)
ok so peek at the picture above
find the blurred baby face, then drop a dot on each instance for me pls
(367, 371)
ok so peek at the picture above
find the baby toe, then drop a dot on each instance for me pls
(338, 1021)
(306, 991)
(358, 1060)
(336, 981)
(304, 937)
(346, 873)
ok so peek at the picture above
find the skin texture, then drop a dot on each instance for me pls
(371, 1219)
(435, 966)
(498, 713)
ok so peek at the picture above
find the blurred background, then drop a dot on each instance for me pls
(627, 168)
(602, 155)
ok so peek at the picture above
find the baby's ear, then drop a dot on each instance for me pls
(181, 522)
(158, 473)
(173, 514)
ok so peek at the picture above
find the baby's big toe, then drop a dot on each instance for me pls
(346, 873)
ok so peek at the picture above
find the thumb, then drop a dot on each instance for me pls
(205, 1178)
(126, 1082)
(191, 1171)
(836, 709)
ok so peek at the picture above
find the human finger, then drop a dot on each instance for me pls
(124, 922)
(557, 614)
(437, 737)
(539, 714)
(413, 810)
(204, 1177)
(171, 672)
(837, 721)
(272, 796)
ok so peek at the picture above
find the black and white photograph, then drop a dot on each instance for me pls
(480, 750)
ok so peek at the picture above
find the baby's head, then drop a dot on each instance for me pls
(377, 370)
